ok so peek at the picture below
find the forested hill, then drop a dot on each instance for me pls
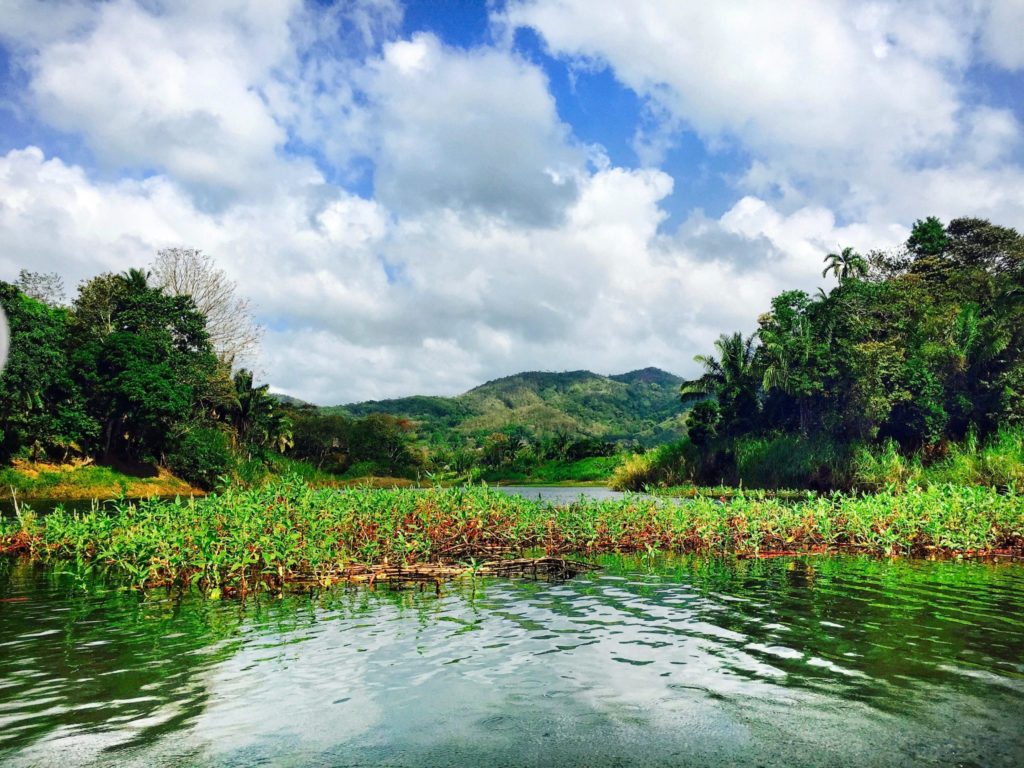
(640, 405)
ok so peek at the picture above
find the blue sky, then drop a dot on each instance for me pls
(420, 196)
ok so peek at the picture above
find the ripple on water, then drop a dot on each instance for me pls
(650, 661)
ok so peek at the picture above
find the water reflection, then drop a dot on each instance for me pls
(814, 661)
(560, 494)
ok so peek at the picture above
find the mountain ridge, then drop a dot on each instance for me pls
(637, 406)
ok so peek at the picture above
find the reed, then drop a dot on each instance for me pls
(291, 533)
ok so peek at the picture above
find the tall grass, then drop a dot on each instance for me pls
(998, 463)
(792, 461)
(876, 468)
(288, 531)
(667, 465)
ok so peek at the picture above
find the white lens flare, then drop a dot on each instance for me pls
(5, 340)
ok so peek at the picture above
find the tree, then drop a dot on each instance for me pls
(143, 360)
(42, 410)
(322, 439)
(845, 265)
(229, 321)
(47, 287)
(731, 379)
(794, 353)
(384, 440)
(257, 418)
(702, 423)
(977, 244)
(927, 238)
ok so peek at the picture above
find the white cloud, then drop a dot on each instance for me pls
(837, 102)
(494, 241)
(475, 297)
(176, 90)
(798, 79)
(1002, 33)
(470, 130)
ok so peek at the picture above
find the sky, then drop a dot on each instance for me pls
(418, 197)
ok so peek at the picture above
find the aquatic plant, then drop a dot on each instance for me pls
(291, 533)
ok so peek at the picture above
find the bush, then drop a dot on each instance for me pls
(790, 461)
(886, 468)
(587, 470)
(1002, 460)
(365, 469)
(634, 473)
(1000, 463)
(201, 457)
(668, 465)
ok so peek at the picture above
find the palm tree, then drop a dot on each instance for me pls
(846, 264)
(136, 279)
(733, 369)
(255, 416)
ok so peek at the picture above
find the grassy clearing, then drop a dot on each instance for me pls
(289, 532)
(269, 469)
(75, 482)
(592, 470)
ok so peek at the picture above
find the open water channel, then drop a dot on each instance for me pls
(650, 661)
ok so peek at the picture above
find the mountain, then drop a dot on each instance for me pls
(294, 402)
(641, 405)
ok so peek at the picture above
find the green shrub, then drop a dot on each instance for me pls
(586, 470)
(790, 461)
(999, 463)
(878, 468)
(667, 465)
(201, 456)
(1002, 460)
(635, 472)
(365, 469)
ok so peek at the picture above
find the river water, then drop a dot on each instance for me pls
(558, 494)
(666, 661)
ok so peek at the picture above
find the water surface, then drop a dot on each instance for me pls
(560, 494)
(676, 661)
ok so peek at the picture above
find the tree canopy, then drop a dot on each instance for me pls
(923, 346)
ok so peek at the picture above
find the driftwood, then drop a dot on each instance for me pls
(540, 568)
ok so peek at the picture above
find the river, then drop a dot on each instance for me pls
(666, 661)
(559, 494)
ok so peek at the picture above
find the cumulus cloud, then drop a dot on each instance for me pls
(1001, 33)
(800, 78)
(175, 89)
(465, 298)
(473, 130)
(486, 238)
(834, 100)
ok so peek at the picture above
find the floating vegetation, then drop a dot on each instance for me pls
(289, 534)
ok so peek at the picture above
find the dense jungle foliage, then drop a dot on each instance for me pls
(908, 371)
(911, 363)
(127, 375)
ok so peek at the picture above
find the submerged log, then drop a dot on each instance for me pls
(546, 568)
(550, 568)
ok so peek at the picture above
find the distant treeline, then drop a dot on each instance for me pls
(127, 374)
(139, 369)
(383, 444)
(912, 353)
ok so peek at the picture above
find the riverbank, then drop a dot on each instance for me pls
(591, 471)
(83, 482)
(290, 533)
